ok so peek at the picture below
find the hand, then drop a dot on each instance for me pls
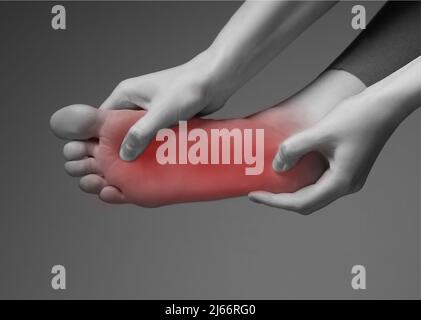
(350, 137)
(252, 37)
(169, 96)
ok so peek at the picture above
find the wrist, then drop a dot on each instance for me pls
(390, 107)
(220, 82)
(397, 92)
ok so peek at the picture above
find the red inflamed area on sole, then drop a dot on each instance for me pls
(198, 160)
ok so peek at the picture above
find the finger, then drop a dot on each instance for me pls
(294, 147)
(144, 130)
(306, 200)
(119, 98)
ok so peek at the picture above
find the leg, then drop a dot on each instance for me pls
(147, 183)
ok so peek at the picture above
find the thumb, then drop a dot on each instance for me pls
(119, 98)
(295, 147)
(143, 131)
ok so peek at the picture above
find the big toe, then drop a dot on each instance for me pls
(77, 122)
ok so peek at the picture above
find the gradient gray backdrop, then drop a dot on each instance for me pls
(224, 249)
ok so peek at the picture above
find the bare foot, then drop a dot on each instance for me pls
(98, 134)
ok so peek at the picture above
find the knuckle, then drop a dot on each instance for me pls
(357, 186)
(194, 93)
(305, 211)
(360, 185)
(349, 184)
(302, 209)
(344, 184)
(123, 87)
(325, 134)
(298, 208)
(194, 86)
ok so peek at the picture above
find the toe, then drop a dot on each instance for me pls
(77, 122)
(79, 168)
(76, 150)
(92, 183)
(111, 194)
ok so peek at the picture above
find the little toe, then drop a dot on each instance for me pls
(111, 194)
(77, 122)
(92, 183)
(76, 150)
(79, 168)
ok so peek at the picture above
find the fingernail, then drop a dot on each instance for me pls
(278, 164)
(127, 153)
(284, 167)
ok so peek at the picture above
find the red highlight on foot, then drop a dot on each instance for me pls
(222, 146)
(201, 160)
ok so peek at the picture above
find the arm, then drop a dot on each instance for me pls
(350, 137)
(256, 33)
(402, 90)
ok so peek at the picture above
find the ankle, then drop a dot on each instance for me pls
(325, 93)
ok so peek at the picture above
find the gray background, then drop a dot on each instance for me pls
(223, 249)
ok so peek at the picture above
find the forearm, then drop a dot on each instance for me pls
(256, 33)
(400, 92)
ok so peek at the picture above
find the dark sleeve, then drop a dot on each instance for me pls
(390, 41)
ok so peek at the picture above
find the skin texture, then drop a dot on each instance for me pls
(94, 157)
(351, 137)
